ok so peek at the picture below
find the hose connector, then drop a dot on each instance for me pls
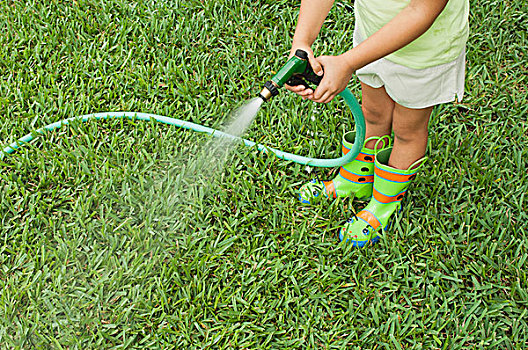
(270, 90)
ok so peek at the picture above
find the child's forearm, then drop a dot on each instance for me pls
(311, 17)
(408, 25)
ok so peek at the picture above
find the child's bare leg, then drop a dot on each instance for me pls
(410, 135)
(377, 108)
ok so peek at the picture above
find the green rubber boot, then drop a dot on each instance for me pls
(354, 178)
(390, 186)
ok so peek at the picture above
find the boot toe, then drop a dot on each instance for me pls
(311, 191)
(358, 233)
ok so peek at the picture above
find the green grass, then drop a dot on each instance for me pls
(97, 253)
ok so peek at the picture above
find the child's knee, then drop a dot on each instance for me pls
(375, 113)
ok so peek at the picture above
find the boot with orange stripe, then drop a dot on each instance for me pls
(354, 178)
(390, 186)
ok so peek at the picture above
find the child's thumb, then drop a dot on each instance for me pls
(316, 66)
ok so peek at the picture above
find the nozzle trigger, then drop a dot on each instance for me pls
(303, 78)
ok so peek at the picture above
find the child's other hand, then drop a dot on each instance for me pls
(316, 66)
(337, 74)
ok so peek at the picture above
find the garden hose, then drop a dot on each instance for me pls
(326, 163)
(292, 73)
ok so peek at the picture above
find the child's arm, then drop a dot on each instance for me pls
(408, 25)
(311, 17)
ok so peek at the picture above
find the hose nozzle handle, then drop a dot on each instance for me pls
(297, 71)
(308, 76)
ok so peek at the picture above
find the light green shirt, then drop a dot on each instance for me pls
(441, 43)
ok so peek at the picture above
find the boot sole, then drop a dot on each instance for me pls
(304, 201)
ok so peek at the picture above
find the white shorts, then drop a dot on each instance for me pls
(416, 88)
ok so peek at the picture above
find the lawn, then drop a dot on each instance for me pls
(100, 251)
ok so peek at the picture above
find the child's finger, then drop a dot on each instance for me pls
(297, 89)
(306, 92)
(329, 98)
(310, 97)
(320, 91)
(316, 66)
(324, 97)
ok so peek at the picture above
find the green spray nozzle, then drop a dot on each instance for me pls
(295, 72)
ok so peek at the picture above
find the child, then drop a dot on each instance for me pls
(409, 56)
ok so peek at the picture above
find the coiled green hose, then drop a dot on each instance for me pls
(350, 100)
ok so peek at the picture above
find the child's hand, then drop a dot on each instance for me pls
(337, 74)
(300, 89)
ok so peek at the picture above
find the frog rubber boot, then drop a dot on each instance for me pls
(389, 188)
(354, 178)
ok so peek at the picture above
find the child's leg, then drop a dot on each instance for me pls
(378, 109)
(410, 135)
(392, 175)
